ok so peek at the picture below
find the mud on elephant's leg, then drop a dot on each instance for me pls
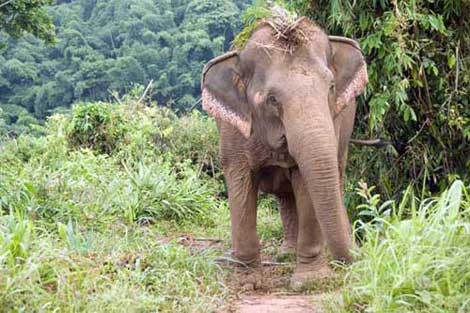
(289, 220)
(312, 263)
(242, 196)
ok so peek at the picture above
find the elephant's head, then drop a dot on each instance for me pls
(285, 87)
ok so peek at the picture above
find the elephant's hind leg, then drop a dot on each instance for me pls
(289, 220)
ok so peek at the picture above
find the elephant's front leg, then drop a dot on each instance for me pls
(242, 196)
(311, 260)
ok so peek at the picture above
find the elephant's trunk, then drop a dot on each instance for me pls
(312, 142)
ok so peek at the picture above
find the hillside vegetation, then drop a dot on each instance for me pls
(417, 54)
(106, 47)
(91, 212)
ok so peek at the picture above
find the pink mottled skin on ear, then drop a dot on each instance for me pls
(218, 110)
(355, 88)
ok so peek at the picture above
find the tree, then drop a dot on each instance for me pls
(19, 16)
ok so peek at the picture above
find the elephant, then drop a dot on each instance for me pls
(285, 106)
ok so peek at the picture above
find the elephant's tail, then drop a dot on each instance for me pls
(377, 143)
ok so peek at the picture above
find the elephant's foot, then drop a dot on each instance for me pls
(314, 272)
(230, 258)
(286, 252)
(287, 247)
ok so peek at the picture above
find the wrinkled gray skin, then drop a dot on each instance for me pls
(285, 119)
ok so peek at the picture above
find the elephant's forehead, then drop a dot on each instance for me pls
(266, 47)
(268, 35)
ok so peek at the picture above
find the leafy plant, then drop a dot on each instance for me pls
(417, 263)
(259, 10)
(96, 126)
(15, 240)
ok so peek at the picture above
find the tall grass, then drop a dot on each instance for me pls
(85, 170)
(415, 257)
(115, 270)
(88, 213)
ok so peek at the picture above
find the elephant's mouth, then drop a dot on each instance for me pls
(278, 144)
(282, 159)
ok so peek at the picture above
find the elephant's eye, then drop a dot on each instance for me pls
(272, 100)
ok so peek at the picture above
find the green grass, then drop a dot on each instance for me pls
(415, 257)
(117, 269)
(91, 213)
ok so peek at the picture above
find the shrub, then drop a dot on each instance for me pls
(97, 126)
(152, 168)
(414, 256)
(157, 191)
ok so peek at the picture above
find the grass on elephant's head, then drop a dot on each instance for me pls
(417, 263)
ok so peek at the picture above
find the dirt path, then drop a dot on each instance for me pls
(273, 303)
(264, 289)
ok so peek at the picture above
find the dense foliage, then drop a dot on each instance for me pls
(96, 205)
(420, 48)
(20, 16)
(104, 48)
(145, 149)
(97, 219)
(418, 55)
(65, 205)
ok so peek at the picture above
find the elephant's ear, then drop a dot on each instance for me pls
(224, 93)
(350, 71)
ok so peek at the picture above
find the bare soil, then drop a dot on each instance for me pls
(265, 289)
(277, 303)
(262, 289)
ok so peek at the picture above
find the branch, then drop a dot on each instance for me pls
(208, 239)
(195, 103)
(115, 95)
(145, 92)
(5, 3)
(268, 263)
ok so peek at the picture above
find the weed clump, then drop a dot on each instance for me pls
(414, 258)
(278, 17)
(96, 126)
